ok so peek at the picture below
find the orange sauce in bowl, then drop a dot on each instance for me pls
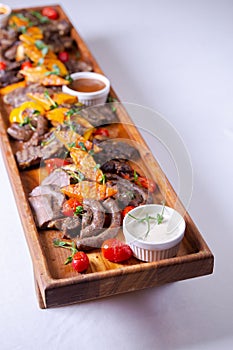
(87, 85)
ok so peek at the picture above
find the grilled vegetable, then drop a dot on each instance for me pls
(115, 250)
(88, 190)
(19, 114)
(6, 90)
(86, 164)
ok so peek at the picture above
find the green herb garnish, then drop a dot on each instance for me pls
(53, 103)
(82, 146)
(103, 179)
(78, 210)
(42, 47)
(71, 144)
(68, 77)
(135, 176)
(68, 245)
(38, 15)
(96, 167)
(55, 71)
(27, 121)
(158, 219)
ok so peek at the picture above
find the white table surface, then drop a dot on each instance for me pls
(175, 57)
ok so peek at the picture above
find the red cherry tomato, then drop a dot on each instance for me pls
(102, 132)
(146, 183)
(50, 12)
(2, 65)
(26, 65)
(80, 261)
(115, 250)
(63, 56)
(126, 210)
(69, 206)
(54, 163)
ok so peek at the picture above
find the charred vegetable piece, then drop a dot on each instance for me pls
(71, 139)
(126, 210)
(88, 190)
(6, 90)
(86, 164)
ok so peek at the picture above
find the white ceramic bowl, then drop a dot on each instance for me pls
(89, 98)
(4, 17)
(162, 241)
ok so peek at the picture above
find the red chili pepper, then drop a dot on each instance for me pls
(80, 261)
(63, 56)
(146, 183)
(126, 210)
(54, 163)
(2, 65)
(69, 207)
(26, 65)
(102, 132)
(50, 12)
(115, 250)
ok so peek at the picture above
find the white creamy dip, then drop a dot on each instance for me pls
(170, 228)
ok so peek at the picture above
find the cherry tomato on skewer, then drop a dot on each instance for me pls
(102, 132)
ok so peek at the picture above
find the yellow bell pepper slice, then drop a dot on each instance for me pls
(18, 114)
(16, 21)
(6, 90)
(50, 63)
(57, 115)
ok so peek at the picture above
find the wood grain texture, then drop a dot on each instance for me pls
(57, 284)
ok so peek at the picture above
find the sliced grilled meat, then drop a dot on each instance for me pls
(74, 66)
(46, 202)
(29, 156)
(21, 133)
(98, 218)
(128, 193)
(70, 226)
(96, 241)
(99, 115)
(112, 149)
(117, 166)
(58, 177)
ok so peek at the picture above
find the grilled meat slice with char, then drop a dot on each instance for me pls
(99, 115)
(114, 149)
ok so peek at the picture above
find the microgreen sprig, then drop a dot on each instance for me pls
(68, 245)
(158, 218)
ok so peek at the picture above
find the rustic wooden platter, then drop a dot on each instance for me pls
(57, 284)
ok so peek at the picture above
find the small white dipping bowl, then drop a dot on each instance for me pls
(4, 16)
(89, 98)
(163, 239)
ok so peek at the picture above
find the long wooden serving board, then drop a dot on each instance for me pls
(57, 284)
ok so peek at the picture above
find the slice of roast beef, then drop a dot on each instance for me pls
(117, 166)
(46, 203)
(58, 177)
(74, 66)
